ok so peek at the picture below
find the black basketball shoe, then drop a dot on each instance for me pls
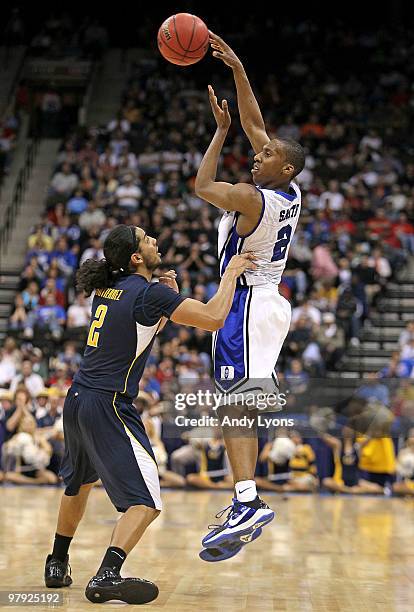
(110, 585)
(57, 573)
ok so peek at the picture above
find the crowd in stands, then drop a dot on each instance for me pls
(356, 228)
(60, 34)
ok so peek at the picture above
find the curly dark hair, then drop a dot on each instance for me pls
(119, 245)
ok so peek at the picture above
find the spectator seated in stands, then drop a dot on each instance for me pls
(39, 240)
(167, 477)
(374, 390)
(48, 407)
(13, 411)
(331, 340)
(6, 403)
(31, 295)
(92, 217)
(213, 467)
(49, 318)
(291, 464)
(28, 379)
(70, 358)
(79, 314)
(128, 194)
(346, 477)
(18, 317)
(51, 288)
(65, 258)
(296, 378)
(77, 204)
(48, 413)
(60, 378)
(63, 184)
(27, 454)
(10, 358)
(377, 455)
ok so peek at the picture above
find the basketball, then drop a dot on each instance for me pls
(183, 39)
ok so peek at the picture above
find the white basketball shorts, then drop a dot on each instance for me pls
(246, 349)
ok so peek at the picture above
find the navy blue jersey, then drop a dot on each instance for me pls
(125, 320)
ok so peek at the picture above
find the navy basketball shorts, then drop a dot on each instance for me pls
(105, 438)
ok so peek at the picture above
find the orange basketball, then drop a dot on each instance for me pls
(183, 39)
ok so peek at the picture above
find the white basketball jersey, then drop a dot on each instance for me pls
(270, 240)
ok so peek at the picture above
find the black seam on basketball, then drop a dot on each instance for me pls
(202, 45)
(177, 37)
(174, 56)
(192, 36)
(173, 50)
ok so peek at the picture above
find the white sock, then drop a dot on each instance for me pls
(246, 490)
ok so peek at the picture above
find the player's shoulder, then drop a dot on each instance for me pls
(278, 196)
(156, 291)
(244, 191)
(131, 280)
(130, 286)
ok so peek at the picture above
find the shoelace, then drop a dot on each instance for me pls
(234, 510)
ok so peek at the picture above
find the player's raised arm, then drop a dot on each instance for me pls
(211, 316)
(241, 197)
(249, 110)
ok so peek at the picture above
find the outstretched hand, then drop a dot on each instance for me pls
(243, 262)
(221, 113)
(221, 50)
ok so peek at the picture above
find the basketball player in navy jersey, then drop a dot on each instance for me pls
(261, 217)
(104, 436)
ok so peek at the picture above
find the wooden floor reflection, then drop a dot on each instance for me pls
(320, 554)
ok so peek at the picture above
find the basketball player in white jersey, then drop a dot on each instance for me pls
(260, 218)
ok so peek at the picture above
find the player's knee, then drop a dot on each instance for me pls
(152, 514)
(87, 486)
(141, 513)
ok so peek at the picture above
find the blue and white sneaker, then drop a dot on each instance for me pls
(226, 550)
(240, 523)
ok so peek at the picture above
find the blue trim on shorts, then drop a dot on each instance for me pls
(229, 347)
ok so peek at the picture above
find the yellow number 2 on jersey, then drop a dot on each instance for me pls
(97, 323)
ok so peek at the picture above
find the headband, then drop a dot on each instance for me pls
(134, 239)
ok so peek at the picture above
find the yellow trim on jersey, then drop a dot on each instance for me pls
(136, 357)
(128, 430)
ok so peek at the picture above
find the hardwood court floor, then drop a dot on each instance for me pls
(320, 554)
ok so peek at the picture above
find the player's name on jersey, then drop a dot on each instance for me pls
(109, 294)
(289, 213)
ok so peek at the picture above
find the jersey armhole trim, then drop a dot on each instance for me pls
(258, 222)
